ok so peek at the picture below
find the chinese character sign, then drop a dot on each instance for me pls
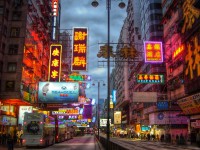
(79, 53)
(55, 62)
(153, 52)
(150, 78)
(55, 4)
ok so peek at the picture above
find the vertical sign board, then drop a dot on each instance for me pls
(55, 62)
(79, 53)
(153, 52)
(55, 4)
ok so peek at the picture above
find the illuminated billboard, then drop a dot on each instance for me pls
(79, 51)
(178, 51)
(150, 78)
(22, 110)
(58, 92)
(55, 62)
(153, 52)
(55, 4)
(103, 122)
(117, 117)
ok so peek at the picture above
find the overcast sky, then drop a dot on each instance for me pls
(80, 13)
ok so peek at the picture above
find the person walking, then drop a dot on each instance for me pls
(198, 139)
(10, 142)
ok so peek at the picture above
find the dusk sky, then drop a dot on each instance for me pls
(80, 13)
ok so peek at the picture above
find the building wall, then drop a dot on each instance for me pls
(26, 50)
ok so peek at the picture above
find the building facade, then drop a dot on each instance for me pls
(24, 56)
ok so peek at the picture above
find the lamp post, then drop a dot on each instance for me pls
(108, 6)
(97, 108)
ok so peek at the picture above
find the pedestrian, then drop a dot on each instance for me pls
(21, 140)
(198, 139)
(177, 139)
(10, 142)
(1, 138)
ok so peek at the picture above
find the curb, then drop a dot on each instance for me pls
(99, 145)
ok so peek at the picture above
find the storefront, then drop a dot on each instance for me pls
(8, 119)
(190, 106)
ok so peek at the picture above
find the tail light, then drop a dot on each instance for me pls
(23, 141)
(57, 137)
(41, 140)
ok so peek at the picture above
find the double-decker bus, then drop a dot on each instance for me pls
(38, 130)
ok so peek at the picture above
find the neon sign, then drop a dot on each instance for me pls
(55, 7)
(153, 52)
(79, 77)
(178, 51)
(55, 62)
(150, 78)
(79, 52)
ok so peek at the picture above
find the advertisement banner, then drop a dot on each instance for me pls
(79, 51)
(58, 92)
(162, 105)
(190, 104)
(117, 117)
(55, 62)
(103, 122)
(144, 96)
(167, 118)
(153, 52)
(150, 78)
(22, 110)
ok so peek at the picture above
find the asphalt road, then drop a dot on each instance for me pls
(86, 142)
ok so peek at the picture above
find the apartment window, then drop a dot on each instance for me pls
(7, 14)
(4, 30)
(16, 15)
(15, 32)
(139, 37)
(12, 67)
(13, 49)
(10, 85)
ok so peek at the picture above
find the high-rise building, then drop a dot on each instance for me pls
(25, 40)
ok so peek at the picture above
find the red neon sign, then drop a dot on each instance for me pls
(153, 51)
(79, 53)
(55, 7)
(55, 62)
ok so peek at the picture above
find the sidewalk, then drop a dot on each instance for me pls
(98, 144)
(5, 147)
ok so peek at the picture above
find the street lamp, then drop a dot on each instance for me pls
(108, 6)
(97, 111)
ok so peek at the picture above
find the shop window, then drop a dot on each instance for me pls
(13, 49)
(15, 32)
(10, 85)
(12, 67)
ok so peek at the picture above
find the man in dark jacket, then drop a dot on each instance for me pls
(10, 142)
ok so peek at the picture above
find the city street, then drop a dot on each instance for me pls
(86, 142)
